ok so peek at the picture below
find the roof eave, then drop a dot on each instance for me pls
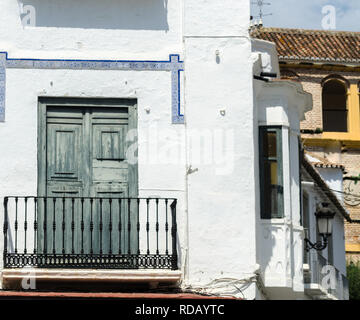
(318, 61)
(322, 184)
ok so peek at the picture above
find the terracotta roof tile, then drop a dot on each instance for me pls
(312, 45)
(319, 162)
(324, 186)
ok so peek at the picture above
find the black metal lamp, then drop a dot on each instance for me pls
(324, 221)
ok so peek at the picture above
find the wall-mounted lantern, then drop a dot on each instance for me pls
(324, 221)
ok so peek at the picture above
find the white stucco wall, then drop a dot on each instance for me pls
(337, 250)
(222, 240)
(86, 29)
(216, 221)
(338, 237)
(280, 241)
(268, 61)
(221, 198)
(214, 212)
(334, 178)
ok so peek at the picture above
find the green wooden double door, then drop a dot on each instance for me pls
(82, 163)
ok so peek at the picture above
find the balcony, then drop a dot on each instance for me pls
(135, 235)
(334, 287)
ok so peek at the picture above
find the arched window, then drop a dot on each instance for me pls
(334, 106)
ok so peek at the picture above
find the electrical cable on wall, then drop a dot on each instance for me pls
(239, 285)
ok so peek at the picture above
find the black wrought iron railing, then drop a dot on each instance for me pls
(96, 233)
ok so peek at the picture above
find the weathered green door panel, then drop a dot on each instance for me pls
(82, 153)
(110, 179)
(64, 169)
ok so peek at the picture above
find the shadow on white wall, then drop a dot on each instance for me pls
(100, 14)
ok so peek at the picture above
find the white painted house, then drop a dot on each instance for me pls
(130, 141)
(288, 270)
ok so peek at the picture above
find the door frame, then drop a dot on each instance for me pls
(44, 102)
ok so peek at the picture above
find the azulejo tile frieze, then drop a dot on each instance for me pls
(173, 65)
(2, 86)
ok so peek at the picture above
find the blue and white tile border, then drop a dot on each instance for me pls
(173, 65)
(2, 86)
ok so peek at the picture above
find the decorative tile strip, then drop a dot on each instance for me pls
(2, 86)
(173, 65)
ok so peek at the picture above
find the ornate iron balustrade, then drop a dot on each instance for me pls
(96, 233)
